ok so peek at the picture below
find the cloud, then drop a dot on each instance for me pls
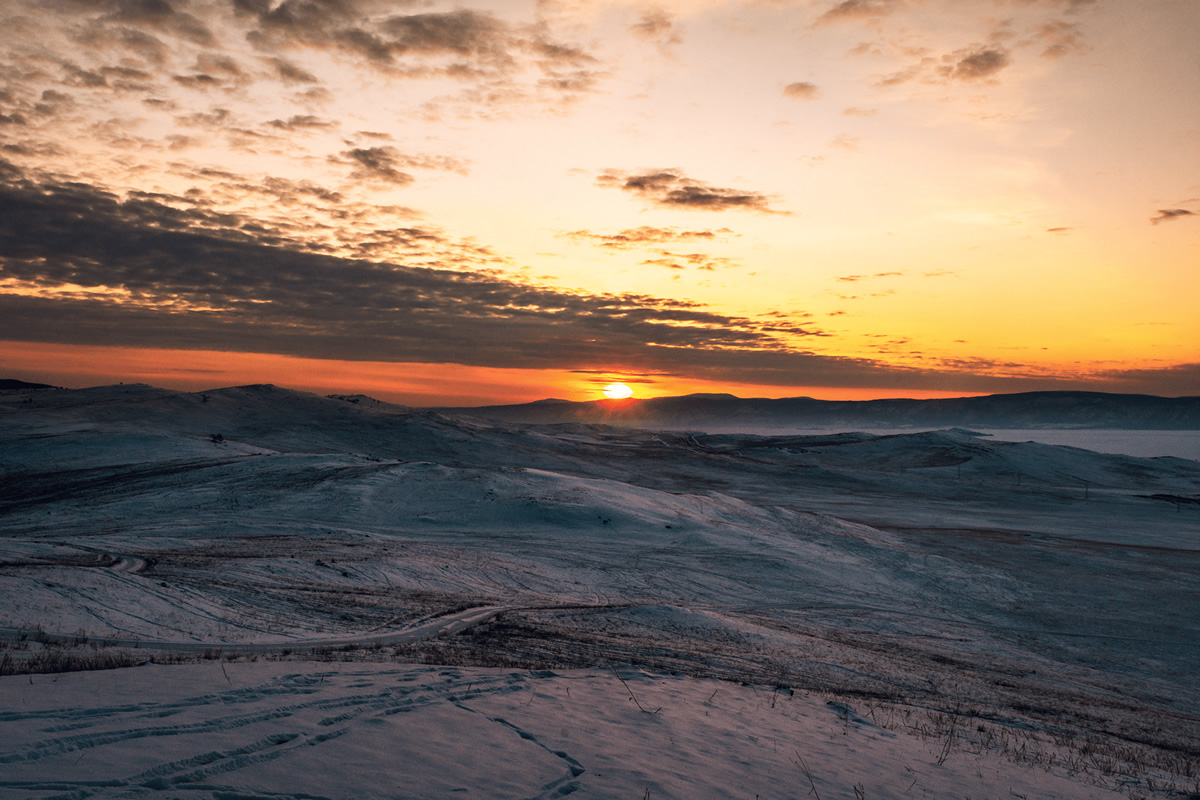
(463, 44)
(128, 41)
(1061, 38)
(82, 265)
(162, 16)
(1059, 230)
(856, 278)
(153, 276)
(1176, 380)
(859, 112)
(802, 91)
(974, 64)
(967, 65)
(302, 122)
(672, 189)
(1168, 214)
(681, 261)
(850, 10)
(1071, 6)
(501, 61)
(288, 72)
(657, 26)
(646, 235)
(382, 164)
(844, 141)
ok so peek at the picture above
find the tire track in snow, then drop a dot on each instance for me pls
(269, 733)
(445, 625)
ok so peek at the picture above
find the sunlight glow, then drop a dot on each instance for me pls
(617, 391)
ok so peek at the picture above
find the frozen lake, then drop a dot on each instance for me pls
(1142, 444)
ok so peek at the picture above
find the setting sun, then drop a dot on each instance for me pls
(617, 391)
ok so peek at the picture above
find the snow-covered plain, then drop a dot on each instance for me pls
(343, 598)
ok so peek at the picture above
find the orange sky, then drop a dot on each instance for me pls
(501, 201)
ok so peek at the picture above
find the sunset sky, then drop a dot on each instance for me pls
(504, 200)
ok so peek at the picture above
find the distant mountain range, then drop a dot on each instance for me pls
(727, 413)
(13, 385)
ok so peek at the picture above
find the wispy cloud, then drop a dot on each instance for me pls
(657, 26)
(383, 164)
(974, 64)
(673, 189)
(850, 10)
(1060, 38)
(682, 261)
(646, 235)
(856, 278)
(802, 90)
(1169, 214)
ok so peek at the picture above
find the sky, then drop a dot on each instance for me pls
(505, 200)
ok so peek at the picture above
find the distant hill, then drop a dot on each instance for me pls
(724, 412)
(11, 384)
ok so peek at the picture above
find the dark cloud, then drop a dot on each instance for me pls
(463, 44)
(1070, 6)
(212, 70)
(128, 41)
(967, 65)
(152, 278)
(975, 64)
(161, 15)
(254, 8)
(802, 91)
(646, 235)
(1058, 230)
(1177, 380)
(197, 81)
(384, 164)
(288, 72)
(82, 78)
(178, 285)
(302, 122)
(672, 189)
(850, 10)
(462, 32)
(214, 118)
(506, 61)
(602, 377)
(1168, 214)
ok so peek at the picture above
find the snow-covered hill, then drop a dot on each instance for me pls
(728, 413)
(993, 596)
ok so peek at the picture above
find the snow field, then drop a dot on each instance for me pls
(1026, 615)
(291, 730)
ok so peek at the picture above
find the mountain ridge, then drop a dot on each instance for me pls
(1066, 409)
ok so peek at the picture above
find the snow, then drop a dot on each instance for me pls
(867, 606)
(394, 731)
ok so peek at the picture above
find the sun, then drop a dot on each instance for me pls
(617, 391)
